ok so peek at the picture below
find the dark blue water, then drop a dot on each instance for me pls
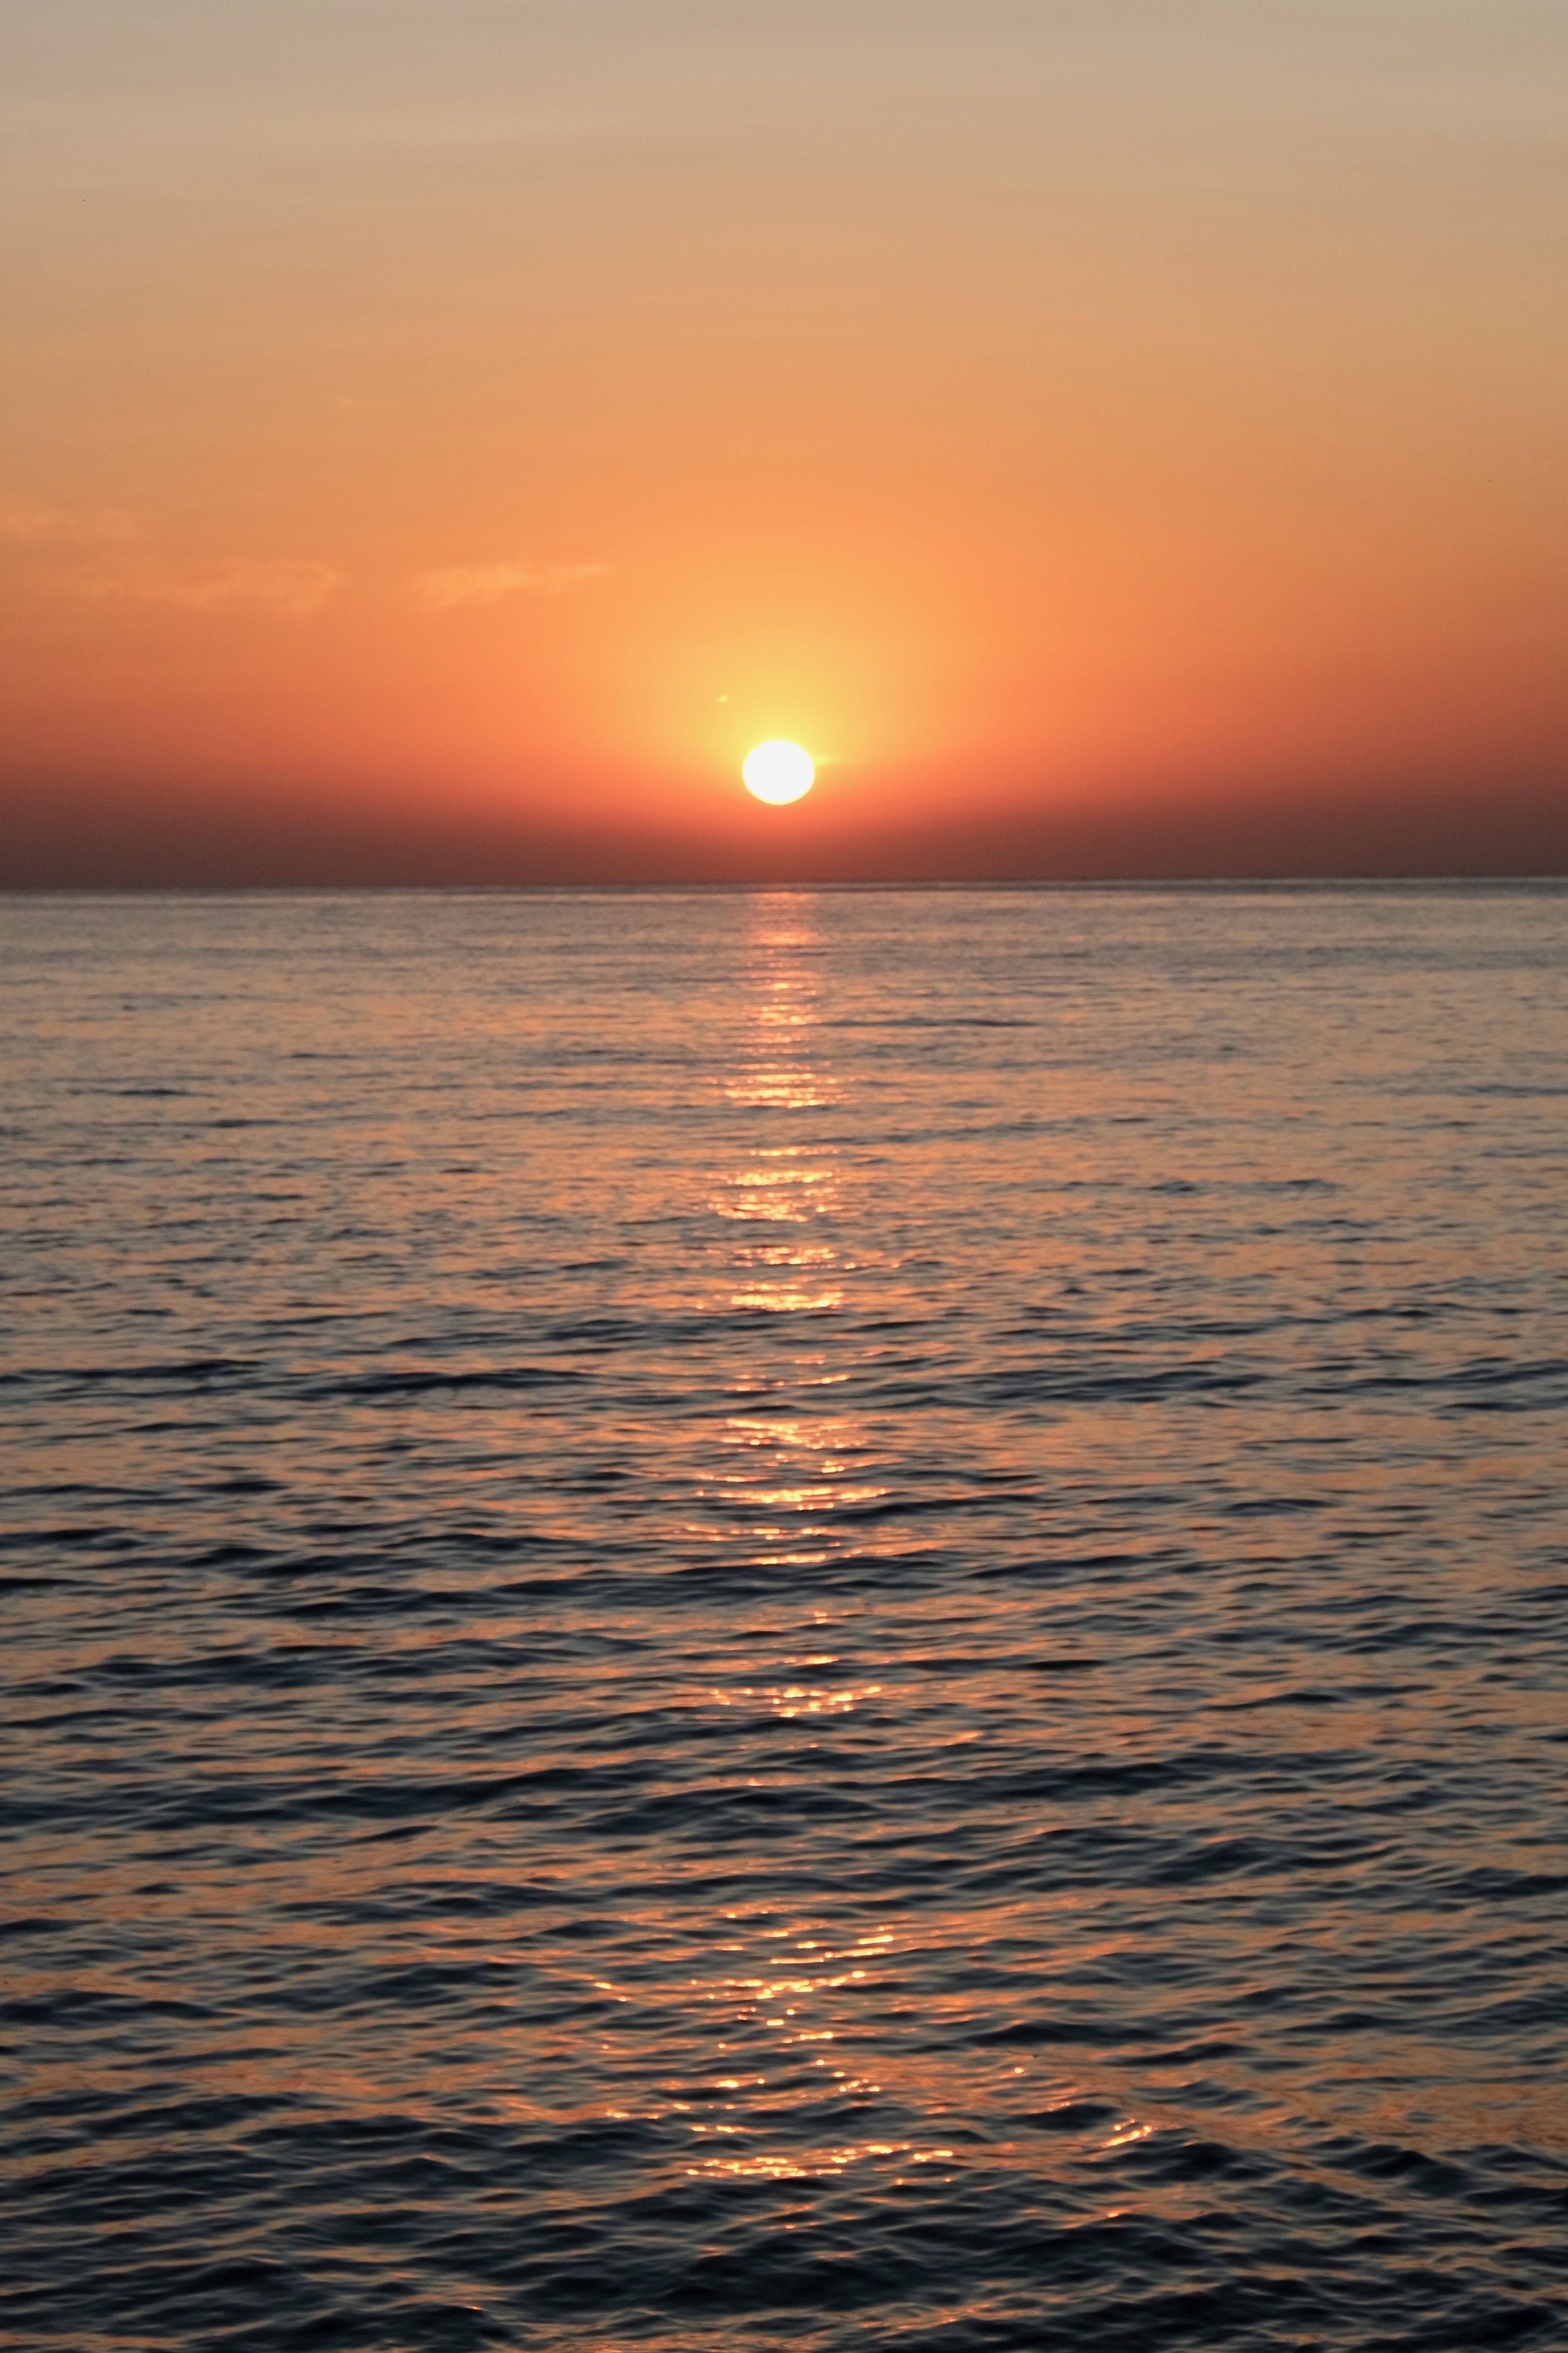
(786, 1619)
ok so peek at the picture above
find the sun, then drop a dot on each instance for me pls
(778, 772)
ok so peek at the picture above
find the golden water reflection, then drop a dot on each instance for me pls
(779, 1062)
(778, 1067)
(783, 1248)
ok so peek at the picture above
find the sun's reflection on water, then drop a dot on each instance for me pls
(790, 2017)
(774, 1480)
(777, 1069)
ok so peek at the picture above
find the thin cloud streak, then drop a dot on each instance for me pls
(35, 522)
(294, 589)
(487, 583)
(53, 542)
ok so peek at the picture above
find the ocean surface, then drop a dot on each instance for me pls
(823, 1618)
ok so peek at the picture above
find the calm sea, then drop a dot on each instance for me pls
(827, 1620)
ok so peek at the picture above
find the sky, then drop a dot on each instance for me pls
(439, 438)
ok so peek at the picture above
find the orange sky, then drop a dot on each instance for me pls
(1113, 435)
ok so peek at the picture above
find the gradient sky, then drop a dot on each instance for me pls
(439, 436)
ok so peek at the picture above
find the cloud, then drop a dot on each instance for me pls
(100, 551)
(487, 583)
(34, 523)
(276, 586)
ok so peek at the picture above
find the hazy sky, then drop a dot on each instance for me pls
(445, 433)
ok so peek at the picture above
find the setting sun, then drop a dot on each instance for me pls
(778, 772)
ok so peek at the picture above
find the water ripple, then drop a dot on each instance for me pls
(786, 1620)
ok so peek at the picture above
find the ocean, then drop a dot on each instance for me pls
(824, 1618)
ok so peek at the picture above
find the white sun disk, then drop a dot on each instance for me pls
(778, 772)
